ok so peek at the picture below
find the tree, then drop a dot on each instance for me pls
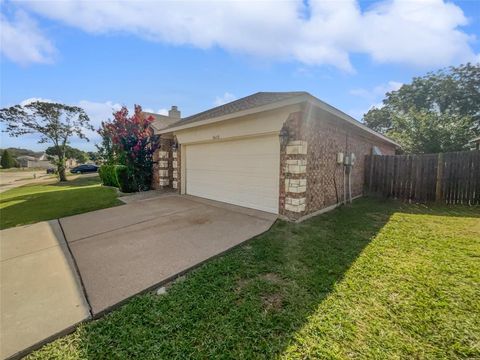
(94, 156)
(131, 142)
(55, 123)
(70, 153)
(7, 160)
(438, 112)
(107, 151)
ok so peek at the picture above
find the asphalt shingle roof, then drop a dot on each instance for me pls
(248, 102)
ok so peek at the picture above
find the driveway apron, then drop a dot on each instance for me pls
(125, 250)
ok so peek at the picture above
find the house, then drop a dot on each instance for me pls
(287, 153)
(474, 144)
(24, 160)
(42, 162)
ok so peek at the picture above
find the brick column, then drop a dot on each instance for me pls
(176, 169)
(163, 173)
(295, 182)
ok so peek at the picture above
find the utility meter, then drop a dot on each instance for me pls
(340, 158)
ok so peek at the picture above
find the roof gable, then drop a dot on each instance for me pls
(245, 103)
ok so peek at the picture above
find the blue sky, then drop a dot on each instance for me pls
(197, 54)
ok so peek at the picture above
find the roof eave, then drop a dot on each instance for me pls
(272, 106)
(295, 100)
(329, 108)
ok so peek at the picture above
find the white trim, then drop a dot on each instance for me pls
(230, 138)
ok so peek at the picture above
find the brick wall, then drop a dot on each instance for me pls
(165, 159)
(324, 136)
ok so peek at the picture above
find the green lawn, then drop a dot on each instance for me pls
(32, 203)
(377, 280)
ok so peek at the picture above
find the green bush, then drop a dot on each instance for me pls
(108, 175)
(125, 178)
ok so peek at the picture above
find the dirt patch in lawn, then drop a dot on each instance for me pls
(271, 277)
(272, 301)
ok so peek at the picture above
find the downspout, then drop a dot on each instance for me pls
(350, 183)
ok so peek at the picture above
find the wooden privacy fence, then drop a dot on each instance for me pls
(452, 178)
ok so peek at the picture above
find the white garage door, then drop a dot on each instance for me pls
(241, 172)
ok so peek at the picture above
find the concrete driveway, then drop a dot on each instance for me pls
(123, 251)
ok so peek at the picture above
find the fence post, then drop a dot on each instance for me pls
(438, 188)
(370, 177)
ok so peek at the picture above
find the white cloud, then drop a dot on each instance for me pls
(225, 98)
(34, 99)
(421, 33)
(377, 91)
(163, 112)
(97, 112)
(373, 96)
(22, 42)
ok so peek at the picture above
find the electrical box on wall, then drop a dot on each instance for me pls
(340, 158)
(352, 159)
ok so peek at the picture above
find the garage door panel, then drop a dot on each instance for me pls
(241, 172)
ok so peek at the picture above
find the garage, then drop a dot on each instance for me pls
(242, 172)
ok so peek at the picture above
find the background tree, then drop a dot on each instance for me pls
(7, 160)
(16, 152)
(107, 150)
(438, 112)
(131, 142)
(55, 123)
(70, 153)
(94, 156)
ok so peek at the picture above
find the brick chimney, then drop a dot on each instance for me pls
(174, 113)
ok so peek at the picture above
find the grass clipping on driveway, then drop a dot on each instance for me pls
(37, 202)
(372, 280)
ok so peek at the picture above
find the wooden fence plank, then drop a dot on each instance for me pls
(451, 178)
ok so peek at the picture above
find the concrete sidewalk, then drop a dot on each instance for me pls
(41, 294)
(125, 250)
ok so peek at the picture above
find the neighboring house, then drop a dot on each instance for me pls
(273, 151)
(475, 143)
(26, 161)
(42, 162)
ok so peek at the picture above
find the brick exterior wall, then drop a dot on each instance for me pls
(325, 136)
(164, 172)
(310, 178)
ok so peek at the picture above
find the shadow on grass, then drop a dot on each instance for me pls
(245, 305)
(47, 203)
(250, 303)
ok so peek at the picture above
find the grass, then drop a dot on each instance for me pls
(375, 280)
(37, 202)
